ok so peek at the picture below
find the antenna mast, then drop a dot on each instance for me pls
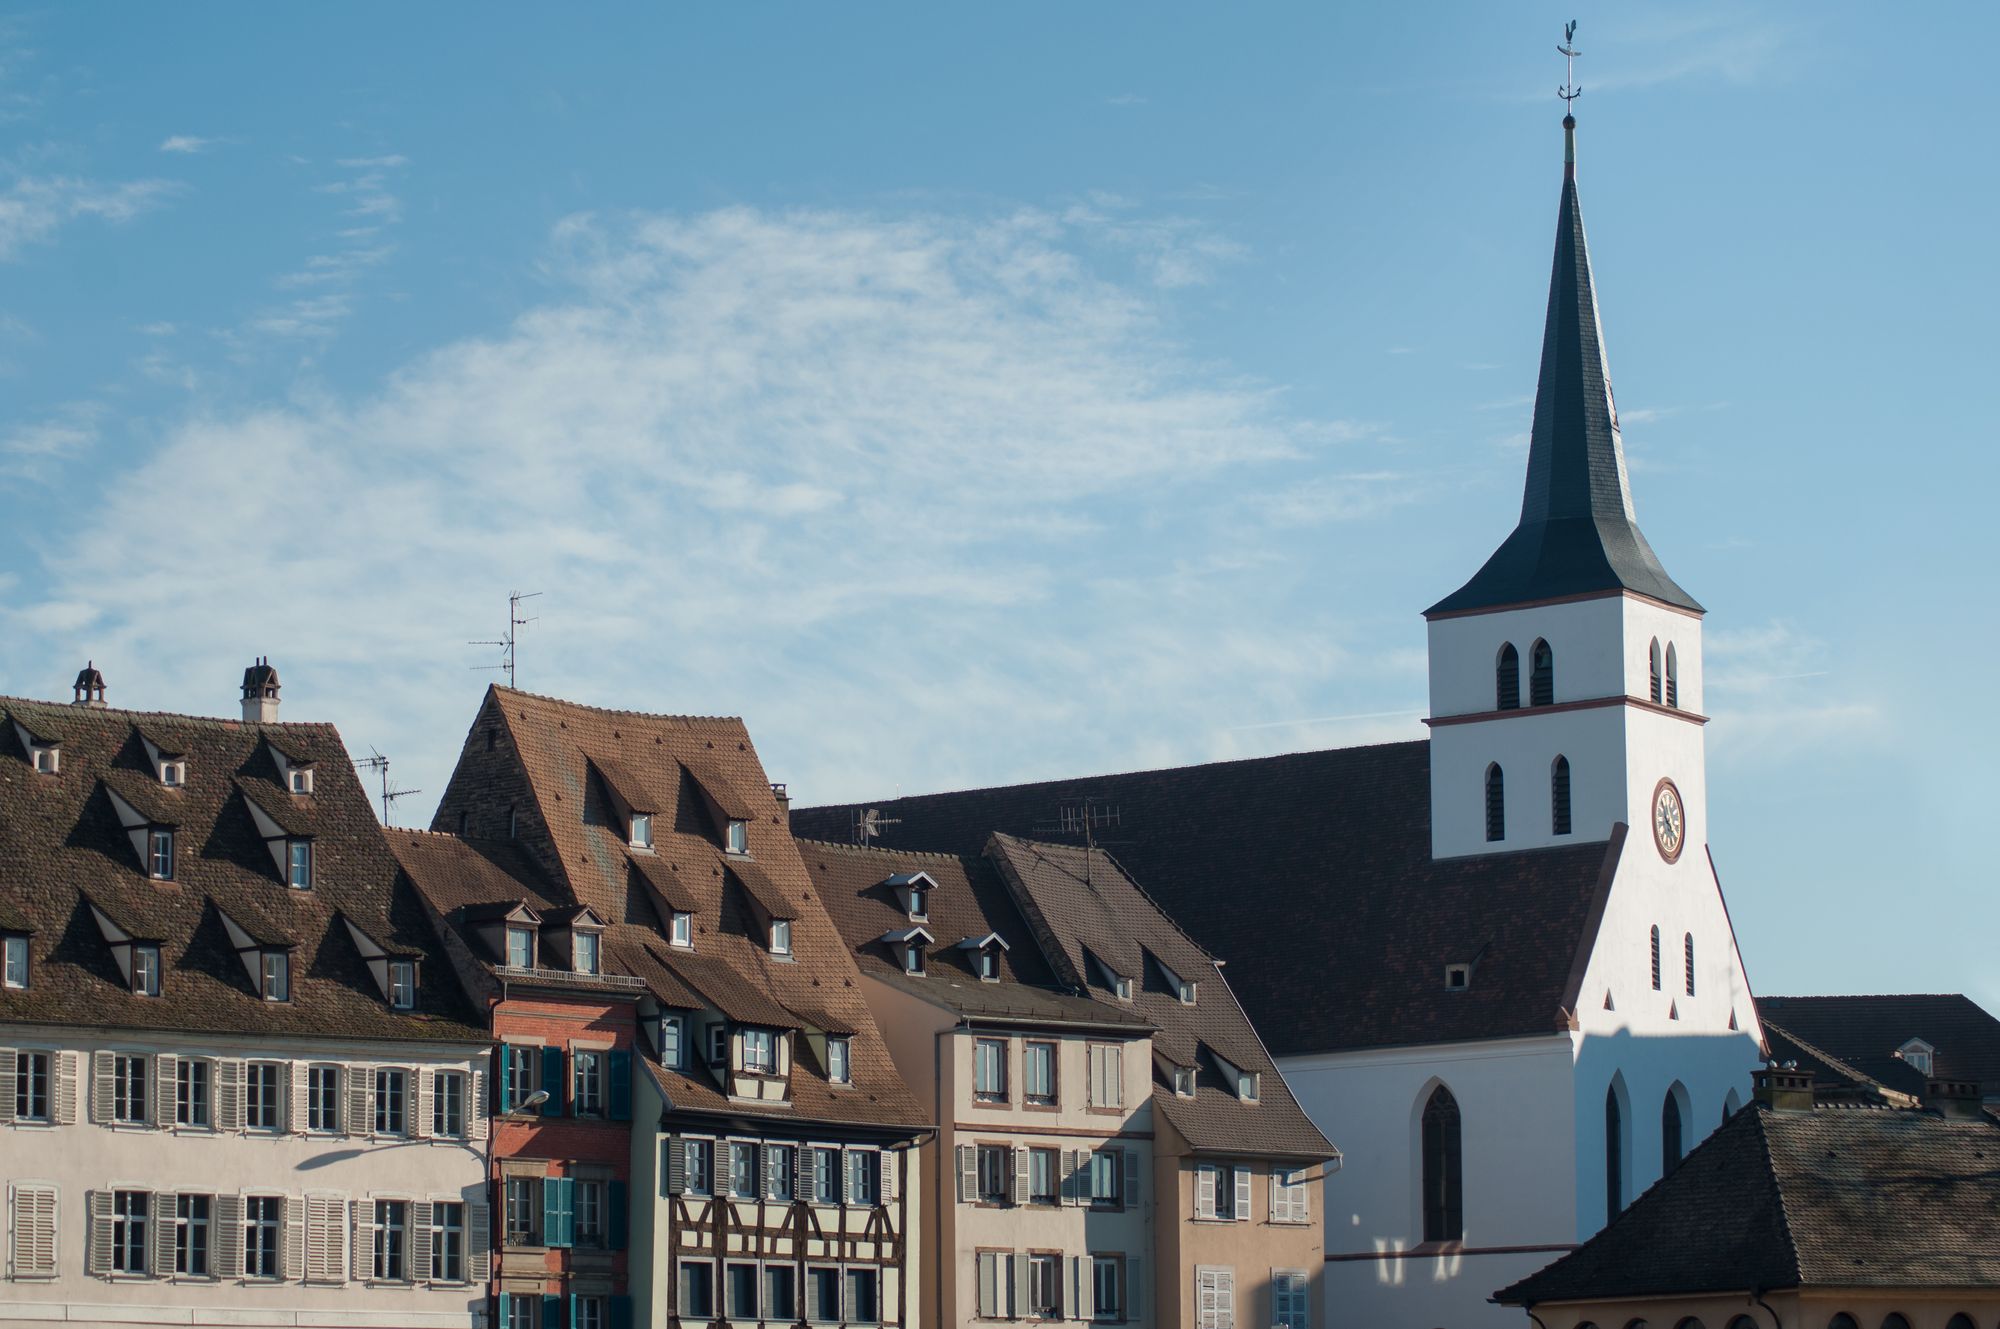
(865, 825)
(1084, 818)
(378, 763)
(506, 644)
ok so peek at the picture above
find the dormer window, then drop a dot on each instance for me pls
(989, 964)
(1246, 1086)
(402, 984)
(1457, 977)
(641, 836)
(1184, 1081)
(584, 948)
(521, 948)
(913, 893)
(781, 936)
(302, 779)
(1120, 986)
(1182, 988)
(680, 929)
(760, 1054)
(737, 838)
(1918, 1055)
(16, 971)
(718, 1044)
(299, 864)
(146, 970)
(913, 958)
(839, 1062)
(48, 759)
(173, 772)
(277, 976)
(160, 854)
(919, 904)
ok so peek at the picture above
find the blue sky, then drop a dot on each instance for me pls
(969, 394)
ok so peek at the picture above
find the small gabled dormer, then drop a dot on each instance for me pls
(395, 971)
(1244, 1084)
(267, 960)
(1918, 1055)
(672, 900)
(728, 811)
(913, 894)
(137, 958)
(295, 770)
(1185, 1078)
(1182, 989)
(574, 935)
(152, 832)
(507, 931)
(44, 752)
(169, 761)
(773, 913)
(1101, 973)
(909, 946)
(631, 801)
(982, 955)
(286, 831)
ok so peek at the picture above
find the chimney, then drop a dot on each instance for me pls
(1784, 1088)
(89, 687)
(1953, 1098)
(260, 693)
(784, 797)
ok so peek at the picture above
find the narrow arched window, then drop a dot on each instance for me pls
(1444, 1169)
(1656, 959)
(1673, 678)
(1507, 679)
(1559, 796)
(1960, 1321)
(1541, 675)
(1654, 691)
(1894, 1321)
(1671, 1146)
(1614, 1155)
(1496, 804)
(1691, 1322)
(1687, 947)
(1843, 1321)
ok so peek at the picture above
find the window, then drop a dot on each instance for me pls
(277, 971)
(681, 931)
(586, 1082)
(913, 957)
(589, 1217)
(781, 936)
(1215, 1298)
(129, 1218)
(673, 1042)
(918, 899)
(862, 1303)
(48, 760)
(780, 1161)
(128, 1089)
(390, 1087)
(1687, 959)
(1038, 1073)
(739, 1282)
(1496, 803)
(1106, 1179)
(302, 779)
(838, 1059)
(697, 1289)
(1457, 977)
(743, 1171)
(738, 840)
(1559, 797)
(1917, 1055)
(392, 1240)
(864, 1177)
(989, 1070)
(520, 1310)
(993, 1173)
(1507, 680)
(524, 1210)
(323, 1099)
(781, 1294)
(826, 1176)
(17, 962)
(1670, 1133)
(1653, 671)
(760, 1051)
(1184, 1081)
(989, 964)
(1044, 1287)
(1291, 1305)
(173, 774)
(588, 1313)
(146, 970)
(1541, 675)
(1291, 1196)
(262, 1217)
(823, 1294)
(447, 1242)
(299, 865)
(448, 1104)
(1444, 1169)
(31, 1086)
(521, 948)
(642, 829)
(262, 1097)
(1673, 679)
(1044, 1176)
(191, 1093)
(517, 1075)
(700, 1170)
(402, 984)
(1614, 1155)
(718, 1044)
(191, 1235)
(1656, 959)
(584, 952)
(160, 855)
(1107, 1075)
(1107, 1287)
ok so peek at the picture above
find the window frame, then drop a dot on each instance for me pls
(993, 1166)
(160, 853)
(34, 1071)
(781, 936)
(392, 1241)
(736, 837)
(17, 968)
(263, 1097)
(680, 930)
(989, 1070)
(325, 1085)
(760, 1051)
(450, 1091)
(274, 969)
(392, 1107)
(520, 939)
(839, 1059)
(1441, 1168)
(588, 1073)
(263, 1237)
(194, 1235)
(402, 985)
(1114, 1266)
(449, 1245)
(639, 830)
(582, 942)
(131, 1234)
(146, 964)
(1034, 1049)
(131, 1074)
(299, 863)
(521, 1211)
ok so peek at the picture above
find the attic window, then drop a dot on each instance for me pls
(521, 948)
(277, 980)
(160, 854)
(1121, 987)
(1184, 1079)
(989, 963)
(146, 971)
(1918, 1055)
(299, 864)
(17, 961)
(913, 957)
(48, 759)
(1457, 977)
(173, 773)
(402, 984)
(680, 930)
(781, 936)
(642, 830)
(737, 840)
(839, 1060)
(918, 901)
(302, 780)
(584, 952)
(1246, 1086)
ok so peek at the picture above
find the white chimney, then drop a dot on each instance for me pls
(260, 693)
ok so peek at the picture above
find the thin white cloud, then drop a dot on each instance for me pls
(34, 208)
(187, 143)
(37, 451)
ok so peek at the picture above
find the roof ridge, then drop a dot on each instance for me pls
(1832, 1062)
(220, 721)
(1866, 996)
(884, 850)
(609, 710)
(1134, 883)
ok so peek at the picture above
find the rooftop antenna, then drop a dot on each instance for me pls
(865, 824)
(1083, 818)
(1569, 92)
(506, 644)
(378, 763)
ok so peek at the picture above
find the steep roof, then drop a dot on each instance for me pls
(1867, 1031)
(1833, 1080)
(1311, 875)
(547, 759)
(1577, 534)
(1829, 1197)
(69, 856)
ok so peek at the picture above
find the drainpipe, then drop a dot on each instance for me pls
(938, 1043)
(1758, 1297)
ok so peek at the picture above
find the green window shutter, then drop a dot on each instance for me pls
(555, 1311)
(552, 1081)
(506, 1307)
(621, 1086)
(617, 1198)
(558, 1211)
(621, 1312)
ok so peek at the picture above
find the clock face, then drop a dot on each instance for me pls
(1669, 820)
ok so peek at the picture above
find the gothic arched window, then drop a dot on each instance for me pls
(1654, 691)
(1542, 675)
(1673, 678)
(1444, 1169)
(1559, 796)
(1496, 804)
(1842, 1321)
(1894, 1321)
(1507, 680)
(1687, 947)
(1614, 1155)
(1656, 959)
(1960, 1321)
(1671, 1138)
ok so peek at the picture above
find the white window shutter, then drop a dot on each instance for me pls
(1019, 1193)
(35, 1229)
(326, 1247)
(226, 1235)
(420, 1241)
(476, 1105)
(98, 1259)
(227, 1110)
(478, 1243)
(892, 1163)
(165, 1090)
(364, 1239)
(986, 1276)
(1135, 1288)
(7, 1084)
(1132, 1196)
(152, 1108)
(292, 1239)
(1242, 1211)
(1078, 1307)
(360, 1100)
(66, 1064)
(1075, 1182)
(417, 1118)
(1204, 1190)
(287, 1074)
(968, 1174)
(163, 1207)
(299, 1109)
(847, 1176)
(1022, 1293)
(802, 1172)
(103, 1066)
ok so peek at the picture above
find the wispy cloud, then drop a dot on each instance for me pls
(1772, 701)
(1125, 99)
(35, 452)
(329, 282)
(34, 208)
(187, 143)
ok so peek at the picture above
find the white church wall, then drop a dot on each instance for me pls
(1646, 623)
(1525, 745)
(1585, 635)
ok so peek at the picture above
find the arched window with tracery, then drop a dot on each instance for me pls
(1656, 959)
(1507, 679)
(1559, 796)
(1444, 1169)
(1654, 691)
(1673, 678)
(1496, 804)
(1672, 1138)
(1614, 1155)
(1542, 675)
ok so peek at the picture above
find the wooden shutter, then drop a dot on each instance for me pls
(291, 1239)
(552, 1081)
(287, 1074)
(1072, 1185)
(420, 1241)
(986, 1277)
(676, 1161)
(619, 1312)
(802, 1172)
(892, 1162)
(103, 1066)
(1242, 1212)
(152, 1109)
(226, 1109)
(326, 1244)
(968, 1176)
(97, 1259)
(619, 1080)
(1132, 1196)
(558, 1211)
(1019, 1191)
(35, 1228)
(360, 1100)
(7, 1065)
(1077, 1302)
(165, 1091)
(478, 1242)
(299, 1109)
(1204, 1190)
(65, 1104)
(1020, 1283)
(163, 1211)
(225, 1232)
(364, 1238)
(422, 1093)
(845, 1160)
(476, 1106)
(1135, 1289)
(618, 1205)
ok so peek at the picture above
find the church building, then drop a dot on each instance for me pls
(1494, 964)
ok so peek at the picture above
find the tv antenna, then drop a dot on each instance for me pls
(1569, 92)
(378, 763)
(865, 824)
(506, 644)
(1082, 819)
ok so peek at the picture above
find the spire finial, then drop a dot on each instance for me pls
(1569, 92)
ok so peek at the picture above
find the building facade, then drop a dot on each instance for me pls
(236, 1084)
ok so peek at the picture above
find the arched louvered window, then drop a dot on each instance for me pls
(1541, 675)
(1559, 796)
(1507, 680)
(1687, 948)
(1614, 1155)
(1656, 959)
(1654, 691)
(1672, 1139)
(1444, 1169)
(1673, 678)
(1496, 804)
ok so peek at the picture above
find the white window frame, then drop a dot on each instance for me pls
(194, 1093)
(263, 1088)
(262, 1214)
(324, 1105)
(402, 985)
(781, 936)
(1106, 1063)
(276, 969)
(525, 937)
(1107, 1276)
(48, 759)
(839, 1060)
(131, 1075)
(640, 832)
(302, 780)
(299, 864)
(864, 1177)
(34, 1084)
(989, 1070)
(586, 944)
(392, 1241)
(1047, 1096)
(146, 970)
(173, 774)
(680, 931)
(760, 1051)
(160, 853)
(132, 1221)
(673, 1042)
(744, 1181)
(587, 1075)
(736, 839)
(392, 1107)
(16, 947)
(449, 1095)
(448, 1242)
(186, 1226)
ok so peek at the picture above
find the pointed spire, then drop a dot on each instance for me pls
(1577, 533)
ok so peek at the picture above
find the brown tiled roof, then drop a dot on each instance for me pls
(1311, 875)
(664, 879)
(538, 759)
(1866, 1031)
(1832, 1197)
(65, 848)
(627, 787)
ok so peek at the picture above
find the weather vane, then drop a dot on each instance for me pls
(1569, 92)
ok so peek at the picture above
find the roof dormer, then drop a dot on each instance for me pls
(287, 832)
(265, 955)
(982, 953)
(1102, 974)
(772, 911)
(909, 946)
(1181, 988)
(913, 894)
(295, 770)
(575, 935)
(150, 827)
(1243, 1083)
(44, 751)
(137, 957)
(508, 930)
(728, 810)
(169, 759)
(395, 970)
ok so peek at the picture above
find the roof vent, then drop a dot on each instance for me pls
(260, 693)
(89, 687)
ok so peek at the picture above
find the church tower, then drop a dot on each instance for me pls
(1565, 677)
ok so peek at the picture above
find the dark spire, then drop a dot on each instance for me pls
(1577, 532)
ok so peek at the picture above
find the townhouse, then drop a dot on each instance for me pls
(236, 1084)
(772, 1142)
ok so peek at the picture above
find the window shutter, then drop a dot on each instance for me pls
(98, 1258)
(892, 1162)
(1242, 1211)
(1078, 1307)
(770, 1171)
(478, 1242)
(298, 1108)
(618, 1197)
(476, 1105)
(360, 1099)
(1021, 1290)
(417, 1122)
(984, 1278)
(152, 1110)
(506, 1304)
(676, 1165)
(1204, 1190)
(552, 1081)
(35, 1228)
(66, 1063)
(555, 1311)
(558, 1212)
(968, 1175)
(226, 1235)
(1134, 1275)
(103, 1065)
(1019, 1192)
(364, 1238)
(802, 1179)
(620, 1081)
(844, 1159)
(6, 1084)
(1132, 1181)
(228, 1105)
(160, 1090)
(325, 1249)
(292, 1239)
(163, 1233)
(620, 1308)
(1072, 1186)
(420, 1241)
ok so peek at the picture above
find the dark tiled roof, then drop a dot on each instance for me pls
(1833, 1197)
(1834, 1081)
(66, 849)
(1577, 534)
(1866, 1032)
(538, 760)
(1311, 875)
